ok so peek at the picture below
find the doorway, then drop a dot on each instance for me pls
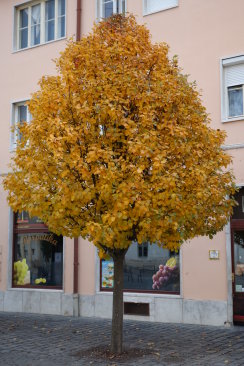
(237, 249)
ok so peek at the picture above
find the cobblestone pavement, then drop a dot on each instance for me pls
(38, 340)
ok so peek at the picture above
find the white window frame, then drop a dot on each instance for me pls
(15, 120)
(100, 11)
(29, 5)
(224, 64)
(166, 4)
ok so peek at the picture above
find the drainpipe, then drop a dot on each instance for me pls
(76, 305)
(78, 21)
(76, 277)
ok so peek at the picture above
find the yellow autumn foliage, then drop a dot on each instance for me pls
(120, 147)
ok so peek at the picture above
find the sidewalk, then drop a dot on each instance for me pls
(38, 340)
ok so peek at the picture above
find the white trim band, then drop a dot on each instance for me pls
(233, 146)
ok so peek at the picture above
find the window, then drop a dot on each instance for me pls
(39, 22)
(20, 114)
(105, 8)
(235, 101)
(153, 6)
(142, 250)
(232, 88)
(147, 268)
(238, 211)
(37, 254)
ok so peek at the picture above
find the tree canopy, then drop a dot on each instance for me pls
(119, 147)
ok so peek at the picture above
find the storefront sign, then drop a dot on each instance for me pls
(35, 237)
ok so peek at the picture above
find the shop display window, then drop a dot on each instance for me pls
(239, 260)
(37, 254)
(147, 268)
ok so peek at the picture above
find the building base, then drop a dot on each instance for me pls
(166, 309)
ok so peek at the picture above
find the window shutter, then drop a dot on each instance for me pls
(234, 75)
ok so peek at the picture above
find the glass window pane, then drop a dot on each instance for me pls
(139, 251)
(35, 14)
(50, 21)
(61, 27)
(38, 259)
(235, 96)
(145, 250)
(61, 7)
(156, 269)
(50, 29)
(22, 117)
(238, 211)
(23, 38)
(107, 9)
(24, 218)
(24, 18)
(35, 35)
(123, 7)
(50, 9)
(146, 268)
(35, 24)
(22, 113)
(29, 116)
(239, 260)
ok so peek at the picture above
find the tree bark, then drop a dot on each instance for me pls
(118, 305)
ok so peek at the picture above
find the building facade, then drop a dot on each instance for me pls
(43, 273)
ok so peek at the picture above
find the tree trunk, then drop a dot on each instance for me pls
(118, 310)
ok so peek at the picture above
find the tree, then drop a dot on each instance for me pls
(120, 149)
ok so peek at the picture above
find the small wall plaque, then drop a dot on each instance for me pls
(214, 254)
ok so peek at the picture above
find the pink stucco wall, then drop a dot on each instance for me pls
(204, 278)
(200, 33)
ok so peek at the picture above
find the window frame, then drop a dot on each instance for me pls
(174, 4)
(224, 64)
(99, 7)
(29, 5)
(34, 228)
(15, 120)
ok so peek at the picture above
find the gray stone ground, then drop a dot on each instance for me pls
(36, 340)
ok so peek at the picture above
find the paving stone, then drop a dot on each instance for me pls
(38, 340)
